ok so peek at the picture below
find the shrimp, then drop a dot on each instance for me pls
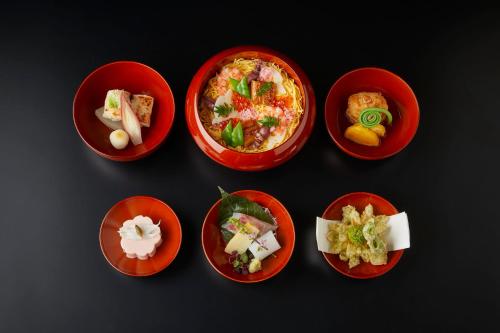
(223, 78)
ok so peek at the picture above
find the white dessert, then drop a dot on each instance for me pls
(140, 237)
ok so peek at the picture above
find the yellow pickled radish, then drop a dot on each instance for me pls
(362, 135)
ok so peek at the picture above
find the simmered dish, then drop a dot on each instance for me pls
(367, 111)
(251, 106)
(125, 114)
(249, 231)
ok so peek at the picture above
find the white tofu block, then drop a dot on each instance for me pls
(264, 246)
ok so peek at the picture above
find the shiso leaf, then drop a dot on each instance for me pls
(235, 204)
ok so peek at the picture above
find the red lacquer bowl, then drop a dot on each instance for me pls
(249, 161)
(127, 209)
(402, 104)
(213, 244)
(380, 206)
(135, 78)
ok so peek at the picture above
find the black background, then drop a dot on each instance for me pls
(55, 191)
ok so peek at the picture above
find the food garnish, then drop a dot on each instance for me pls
(224, 109)
(241, 87)
(138, 230)
(266, 86)
(269, 121)
(233, 136)
(371, 117)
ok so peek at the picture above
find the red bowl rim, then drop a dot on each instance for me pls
(361, 156)
(309, 116)
(133, 198)
(396, 254)
(131, 157)
(240, 280)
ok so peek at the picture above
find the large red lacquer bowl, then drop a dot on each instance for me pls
(380, 206)
(249, 161)
(135, 78)
(401, 101)
(213, 244)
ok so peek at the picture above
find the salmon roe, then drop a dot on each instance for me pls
(240, 103)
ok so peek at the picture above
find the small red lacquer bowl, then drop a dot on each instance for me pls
(249, 161)
(127, 209)
(136, 78)
(380, 206)
(213, 244)
(401, 101)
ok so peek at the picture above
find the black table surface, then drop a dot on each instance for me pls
(55, 191)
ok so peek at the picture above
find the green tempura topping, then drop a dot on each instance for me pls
(355, 234)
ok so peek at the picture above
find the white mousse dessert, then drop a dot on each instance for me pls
(140, 237)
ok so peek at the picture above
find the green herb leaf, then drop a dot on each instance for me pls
(237, 136)
(234, 83)
(226, 235)
(241, 87)
(227, 133)
(224, 109)
(235, 204)
(264, 88)
(269, 121)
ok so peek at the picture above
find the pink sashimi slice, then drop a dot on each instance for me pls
(263, 227)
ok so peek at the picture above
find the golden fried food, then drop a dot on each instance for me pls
(362, 100)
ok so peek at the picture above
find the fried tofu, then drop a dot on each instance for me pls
(362, 100)
(265, 98)
(143, 107)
